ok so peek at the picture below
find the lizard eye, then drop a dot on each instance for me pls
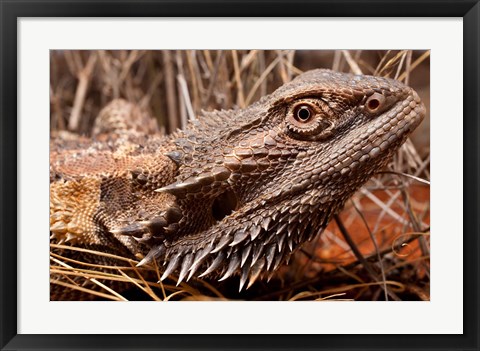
(302, 113)
(308, 119)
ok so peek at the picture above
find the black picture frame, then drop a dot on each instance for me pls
(12, 10)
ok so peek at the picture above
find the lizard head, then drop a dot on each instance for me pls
(254, 184)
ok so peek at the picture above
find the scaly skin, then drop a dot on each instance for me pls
(238, 191)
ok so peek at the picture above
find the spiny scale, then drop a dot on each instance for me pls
(186, 265)
(255, 271)
(199, 259)
(222, 243)
(152, 254)
(270, 255)
(278, 259)
(245, 254)
(217, 262)
(244, 276)
(239, 236)
(176, 156)
(172, 265)
(232, 266)
(257, 252)
(254, 232)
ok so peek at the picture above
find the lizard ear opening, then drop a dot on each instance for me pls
(224, 204)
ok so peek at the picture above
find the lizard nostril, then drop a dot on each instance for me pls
(374, 103)
(224, 204)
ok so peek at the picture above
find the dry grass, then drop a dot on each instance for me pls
(376, 249)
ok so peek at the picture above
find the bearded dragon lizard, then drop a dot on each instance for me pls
(237, 191)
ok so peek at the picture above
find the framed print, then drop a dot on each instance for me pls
(251, 182)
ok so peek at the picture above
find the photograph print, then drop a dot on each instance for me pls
(246, 175)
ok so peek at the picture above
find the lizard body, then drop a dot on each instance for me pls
(237, 191)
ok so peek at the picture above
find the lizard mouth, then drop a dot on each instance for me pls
(392, 128)
(380, 136)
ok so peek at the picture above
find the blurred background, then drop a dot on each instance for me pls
(385, 252)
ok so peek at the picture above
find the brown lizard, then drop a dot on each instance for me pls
(237, 191)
